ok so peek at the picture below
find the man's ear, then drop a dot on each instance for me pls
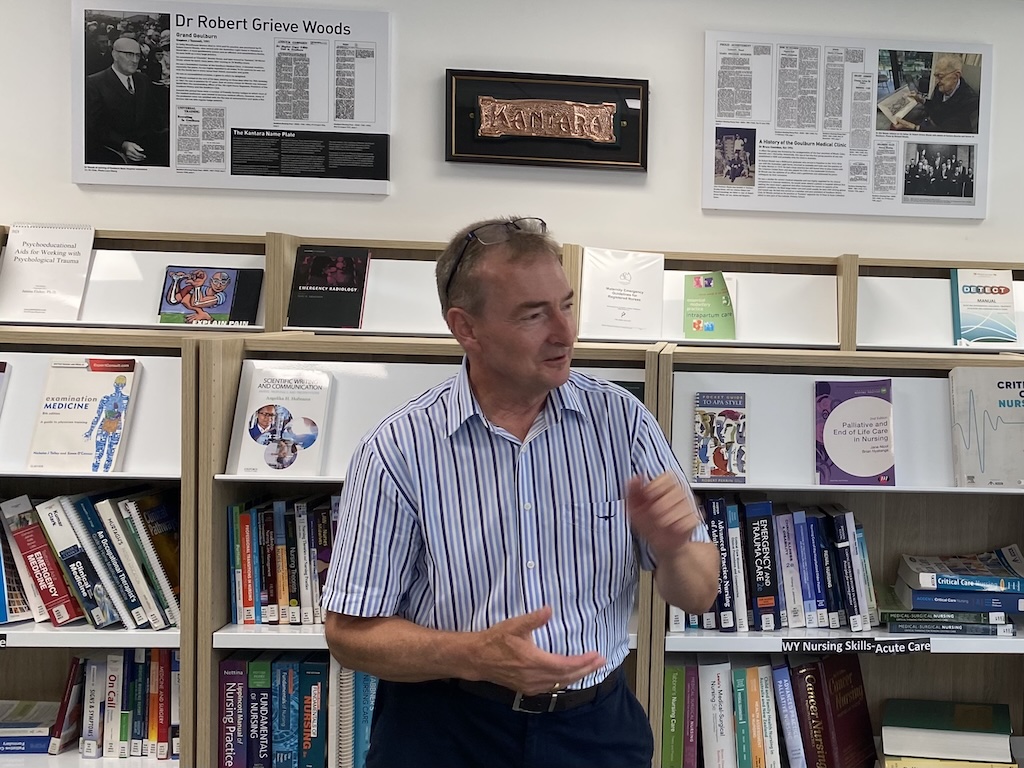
(460, 323)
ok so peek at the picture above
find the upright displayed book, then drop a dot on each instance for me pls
(622, 293)
(720, 438)
(328, 287)
(983, 308)
(83, 416)
(947, 730)
(854, 432)
(210, 295)
(708, 308)
(278, 429)
(44, 271)
(988, 426)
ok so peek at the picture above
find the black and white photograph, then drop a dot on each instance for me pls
(735, 150)
(939, 170)
(127, 88)
(938, 92)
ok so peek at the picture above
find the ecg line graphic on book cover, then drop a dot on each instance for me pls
(976, 433)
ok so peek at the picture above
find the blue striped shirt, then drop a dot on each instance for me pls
(453, 523)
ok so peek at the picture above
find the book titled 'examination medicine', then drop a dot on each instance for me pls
(44, 271)
(983, 308)
(988, 426)
(83, 415)
(328, 287)
(622, 294)
(854, 442)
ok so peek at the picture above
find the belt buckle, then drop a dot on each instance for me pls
(517, 703)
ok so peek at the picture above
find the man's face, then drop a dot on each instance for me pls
(126, 53)
(947, 81)
(264, 416)
(220, 282)
(525, 331)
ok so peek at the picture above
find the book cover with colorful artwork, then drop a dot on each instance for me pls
(708, 308)
(328, 287)
(720, 438)
(196, 295)
(854, 433)
(83, 415)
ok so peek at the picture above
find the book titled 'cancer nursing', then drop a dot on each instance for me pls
(83, 415)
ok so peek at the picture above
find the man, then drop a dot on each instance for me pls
(264, 420)
(953, 107)
(120, 124)
(491, 533)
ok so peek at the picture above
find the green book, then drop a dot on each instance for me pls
(949, 730)
(672, 720)
(708, 308)
(744, 757)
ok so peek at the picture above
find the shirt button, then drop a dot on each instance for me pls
(527, 506)
(530, 563)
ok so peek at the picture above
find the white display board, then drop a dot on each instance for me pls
(781, 429)
(152, 444)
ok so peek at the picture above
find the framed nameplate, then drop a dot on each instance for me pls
(560, 120)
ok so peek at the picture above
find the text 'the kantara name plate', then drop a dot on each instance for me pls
(559, 120)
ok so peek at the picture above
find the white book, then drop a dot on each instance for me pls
(5, 378)
(92, 707)
(342, 723)
(789, 570)
(83, 415)
(28, 582)
(676, 619)
(132, 515)
(717, 727)
(988, 427)
(769, 723)
(739, 580)
(621, 295)
(983, 308)
(869, 584)
(44, 271)
(278, 419)
(305, 575)
(113, 681)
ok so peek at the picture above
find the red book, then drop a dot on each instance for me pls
(249, 598)
(833, 711)
(69, 717)
(163, 704)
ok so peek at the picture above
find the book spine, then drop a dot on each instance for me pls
(953, 617)
(268, 571)
(259, 746)
(4, 592)
(128, 702)
(140, 699)
(741, 713)
(235, 563)
(869, 582)
(847, 580)
(59, 601)
(340, 729)
(151, 744)
(954, 287)
(92, 708)
(757, 758)
(313, 689)
(113, 683)
(718, 528)
(281, 560)
(803, 558)
(769, 721)
(761, 557)
(833, 598)
(175, 727)
(261, 598)
(672, 720)
(292, 559)
(323, 541)
(245, 535)
(68, 721)
(28, 580)
(139, 534)
(163, 703)
(233, 699)
(24, 745)
(365, 695)
(110, 564)
(691, 718)
(111, 522)
(305, 574)
(950, 628)
(676, 619)
(314, 580)
(785, 703)
(975, 602)
(285, 731)
(817, 574)
(717, 724)
(859, 574)
(790, 571)
(739, 580)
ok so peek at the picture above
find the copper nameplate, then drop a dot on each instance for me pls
(546, 118)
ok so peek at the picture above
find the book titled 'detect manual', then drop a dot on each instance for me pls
(983, 307)
(280, 420)
(44, 271)
(622, 294)
(82, 416)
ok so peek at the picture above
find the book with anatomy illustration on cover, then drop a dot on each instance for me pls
(854, 441)
(83, 415)
(210, 295)
(720, 437)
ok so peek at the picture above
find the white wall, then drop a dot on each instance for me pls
(658, 40)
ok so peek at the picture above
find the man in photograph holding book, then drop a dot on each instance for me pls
(491, 534)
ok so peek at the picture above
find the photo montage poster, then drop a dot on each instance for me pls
(230, 96)
(838, 125)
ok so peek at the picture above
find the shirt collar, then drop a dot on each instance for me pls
(463, 403)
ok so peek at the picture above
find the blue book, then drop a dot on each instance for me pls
(1000, 570)
(825, 568)
(234, 564)
(762, 563)
(287, 722)
(803, 559)
(718, 528)
(842, 544)
(257, 586)
(365, 695)
(313, 676)
(24, 745)
(946, 600)
(140, 696)
(785, 705)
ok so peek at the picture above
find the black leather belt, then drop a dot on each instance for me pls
(555, 701)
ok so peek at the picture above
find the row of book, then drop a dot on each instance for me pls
(293, 710)
(279, 552)
(802, 711)
(108, 558)
(786, 565)
(117, 703)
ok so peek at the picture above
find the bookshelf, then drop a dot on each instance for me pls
(397, 362)
(160, 448)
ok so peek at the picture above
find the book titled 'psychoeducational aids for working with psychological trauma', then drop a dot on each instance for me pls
(720, 437)
(281, 429)
(983, 307)
(44, 272)
(988, 426)
(210, 295)
(328, 287)
(854, 432)
(82, 417)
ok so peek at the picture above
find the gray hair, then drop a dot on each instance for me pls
(948, 62)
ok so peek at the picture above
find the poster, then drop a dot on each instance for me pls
(833, 125)
(230, 96)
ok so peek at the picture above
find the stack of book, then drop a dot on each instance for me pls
(950, 734)
(959, 594)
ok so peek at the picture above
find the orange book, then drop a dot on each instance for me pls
(757, 759)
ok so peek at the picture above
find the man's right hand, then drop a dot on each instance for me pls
(133, 151)
(509, 657)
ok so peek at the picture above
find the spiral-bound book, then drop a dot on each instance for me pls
(720, 437)
(341, 727)
(44, 271)
(152, 524)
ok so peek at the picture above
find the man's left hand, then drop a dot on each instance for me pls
(661, 512)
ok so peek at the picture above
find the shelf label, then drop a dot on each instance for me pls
(877, 646)
(3, 640)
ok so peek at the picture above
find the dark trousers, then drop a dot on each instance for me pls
(436, 724)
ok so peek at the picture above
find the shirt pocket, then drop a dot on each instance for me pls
(595, 550)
